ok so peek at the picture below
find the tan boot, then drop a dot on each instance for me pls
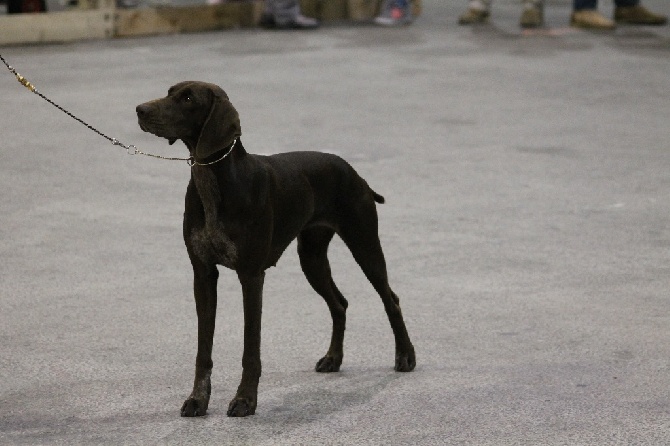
(590, 19)
(638, 15)
(532, 17)
(473, 16)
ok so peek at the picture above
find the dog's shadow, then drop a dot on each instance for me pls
(320, 396)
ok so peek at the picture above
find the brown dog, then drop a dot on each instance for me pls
(243, 210)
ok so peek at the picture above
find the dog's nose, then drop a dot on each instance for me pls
(142, 110)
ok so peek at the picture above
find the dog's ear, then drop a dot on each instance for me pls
(221, 127)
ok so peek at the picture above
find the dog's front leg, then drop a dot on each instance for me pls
(204, 287)
(244, 402)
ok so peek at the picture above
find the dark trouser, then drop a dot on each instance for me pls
(593, 4)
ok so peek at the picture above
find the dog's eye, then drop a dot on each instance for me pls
(187, 98)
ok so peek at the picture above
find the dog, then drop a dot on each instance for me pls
(242, 212)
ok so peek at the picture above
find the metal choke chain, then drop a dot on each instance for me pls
(131, 149)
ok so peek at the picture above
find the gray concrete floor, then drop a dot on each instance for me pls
(526, 229)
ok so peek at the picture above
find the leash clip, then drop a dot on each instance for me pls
(130, 150)
(190, 161)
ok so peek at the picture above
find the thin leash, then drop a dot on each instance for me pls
(130, 149)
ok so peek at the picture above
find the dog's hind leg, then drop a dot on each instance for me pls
(361, 237)
(313, 249)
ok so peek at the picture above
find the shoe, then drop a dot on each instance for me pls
(395, 14)
(302, 22)
(298, 22)
(590, 19)
(638, 15)
(532, 17)
(473, 16)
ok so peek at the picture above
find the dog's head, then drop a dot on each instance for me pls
(198, 113)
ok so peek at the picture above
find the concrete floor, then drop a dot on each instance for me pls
(526, 229)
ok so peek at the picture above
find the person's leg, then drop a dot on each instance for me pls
(578, 5)
(529, 4)
(286, 14)
(284, 11)
(481, 5)
(633, 13)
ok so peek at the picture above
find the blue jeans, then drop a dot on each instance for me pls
(593, 4)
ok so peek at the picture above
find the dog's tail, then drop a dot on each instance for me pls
(378, 198)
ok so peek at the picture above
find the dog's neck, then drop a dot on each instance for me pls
(235, 150)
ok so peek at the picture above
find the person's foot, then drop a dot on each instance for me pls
(298, 22)
(394, 14)
(638, 15)
(532, 17)
(302, 22)
(473, 16)
(590, 19)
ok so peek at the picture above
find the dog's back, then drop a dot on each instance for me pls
(330, 176)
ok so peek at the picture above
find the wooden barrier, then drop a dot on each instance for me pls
(175, 19)
(100, 19)
(61, 26)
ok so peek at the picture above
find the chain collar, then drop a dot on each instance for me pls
(192, 162)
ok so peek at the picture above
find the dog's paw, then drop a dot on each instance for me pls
(405, 362)
(241, 407)
(328, 364)
(193, 408)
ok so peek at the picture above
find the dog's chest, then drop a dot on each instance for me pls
(211, 242)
